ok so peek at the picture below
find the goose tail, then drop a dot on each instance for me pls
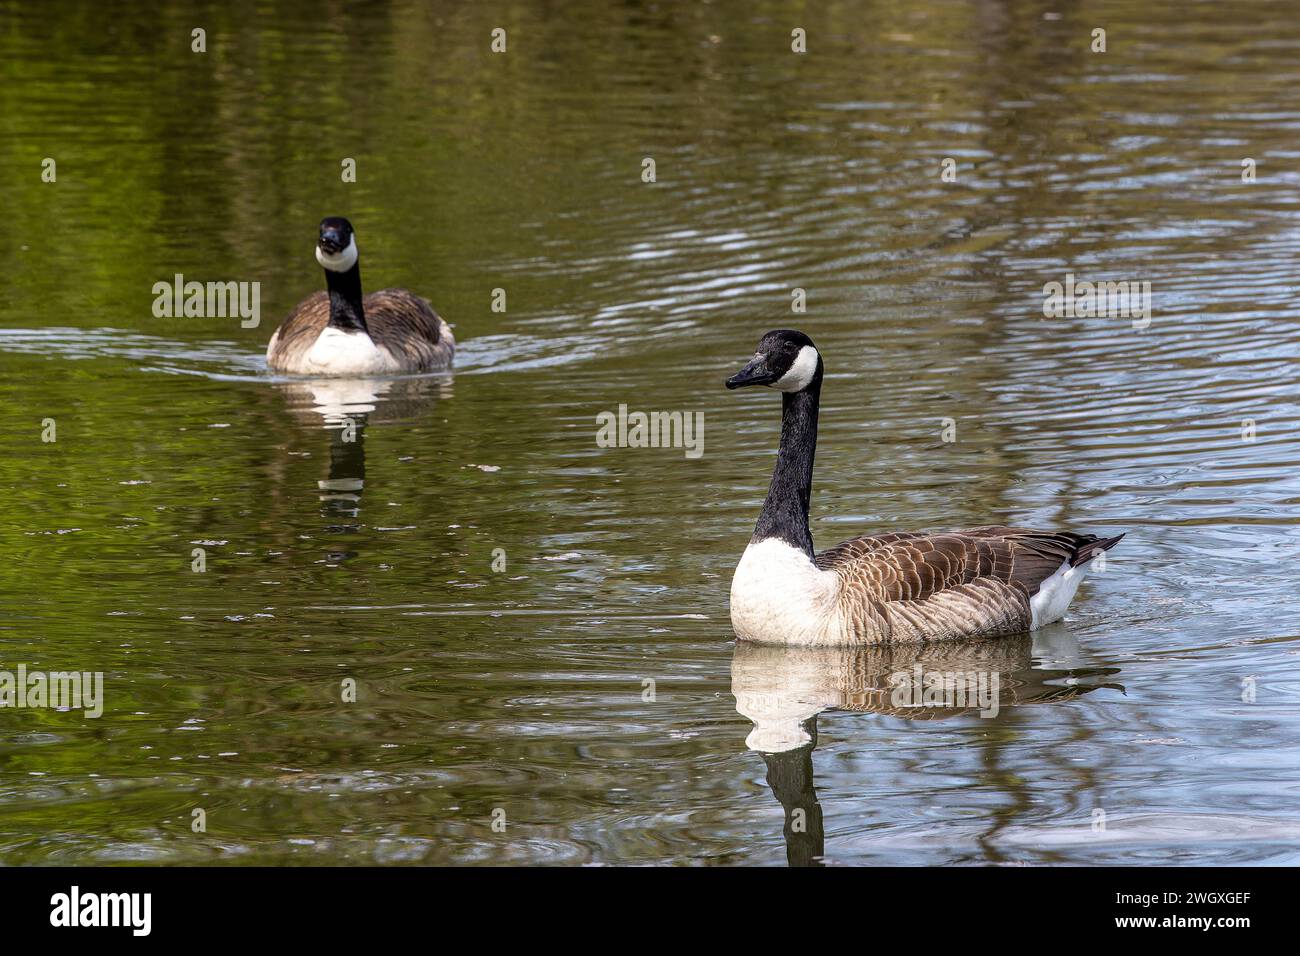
(1089, 549)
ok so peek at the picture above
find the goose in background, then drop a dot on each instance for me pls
(340, 332)
(894, 587)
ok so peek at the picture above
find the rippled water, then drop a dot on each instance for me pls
(590, 694)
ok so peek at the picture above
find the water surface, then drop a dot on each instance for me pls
(589, 693)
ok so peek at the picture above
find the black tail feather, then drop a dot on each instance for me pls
(1090, 549)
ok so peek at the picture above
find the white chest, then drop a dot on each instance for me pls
(336, 352)
(778, 596)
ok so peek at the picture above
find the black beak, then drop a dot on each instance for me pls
(329, 241)
(755, 373)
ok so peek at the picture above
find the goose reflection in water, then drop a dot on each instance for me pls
(783, 689)
(345, 408)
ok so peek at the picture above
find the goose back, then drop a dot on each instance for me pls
(982, 582)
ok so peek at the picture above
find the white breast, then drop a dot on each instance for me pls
(337, 352)
(778, 596)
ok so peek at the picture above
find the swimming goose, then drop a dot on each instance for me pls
(899, 586)
(340, 333)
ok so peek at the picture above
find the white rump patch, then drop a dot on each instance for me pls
(1055, 594)
(340, 261)
(800, 373)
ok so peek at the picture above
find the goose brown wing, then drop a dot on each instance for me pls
(901, 566)
(299, 331)
(406, 325)
(912, 586)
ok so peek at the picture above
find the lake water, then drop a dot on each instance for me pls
(537, 626)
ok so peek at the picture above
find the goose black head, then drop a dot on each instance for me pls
(336, 249)
(786, 360)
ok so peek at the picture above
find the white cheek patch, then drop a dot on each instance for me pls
(340, 261)
(800, 373)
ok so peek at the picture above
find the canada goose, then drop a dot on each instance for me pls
(900, 586)
(340, 333)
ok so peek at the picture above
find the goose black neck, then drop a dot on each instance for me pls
(346, 311)
(785, 512)
(790, 775)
